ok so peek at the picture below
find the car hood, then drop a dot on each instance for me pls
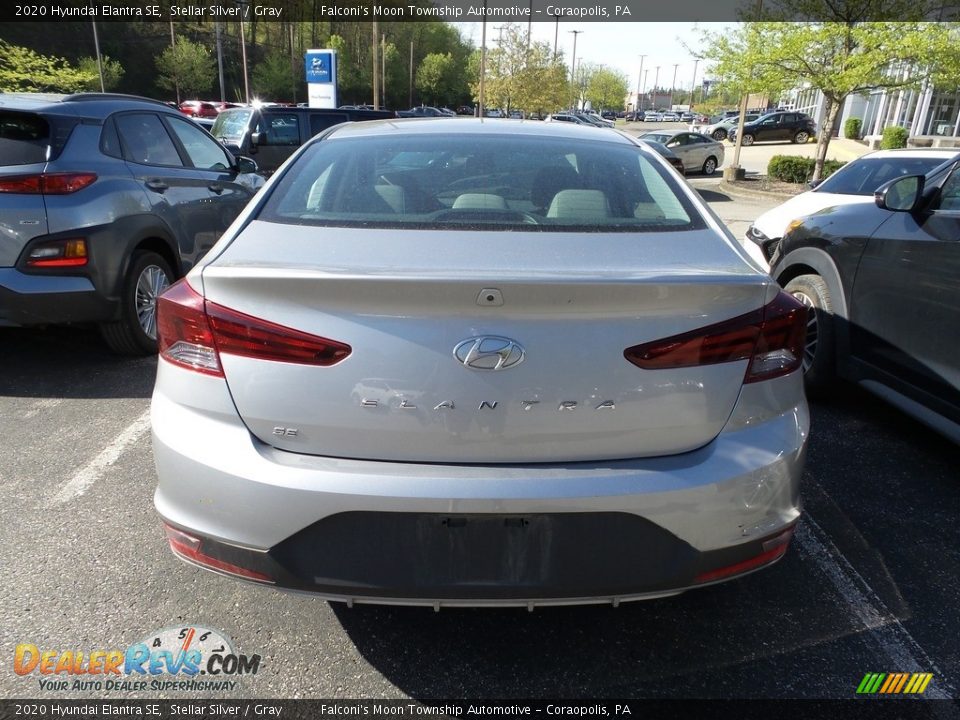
(773, 223)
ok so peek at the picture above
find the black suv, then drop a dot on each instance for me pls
(793, 126)
(104, 201)
(272, 133)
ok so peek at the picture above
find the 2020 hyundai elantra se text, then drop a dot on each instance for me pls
(457, 362)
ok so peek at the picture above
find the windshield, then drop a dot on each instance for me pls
(864, 176)
(231, 124)
(494, 182)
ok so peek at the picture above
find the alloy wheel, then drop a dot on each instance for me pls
(810, 348)
(152, 281)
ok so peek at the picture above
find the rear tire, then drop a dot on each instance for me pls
(801, 137)
(709, 166)
(819, 354)
(719, 135)
(135, 333)
(747, 140)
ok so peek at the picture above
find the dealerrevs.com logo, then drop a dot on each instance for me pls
(192, 658)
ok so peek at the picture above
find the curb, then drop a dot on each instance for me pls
(737, 190)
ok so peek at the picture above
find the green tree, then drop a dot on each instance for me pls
(519, 77)
(23, 70)
(273, 78)
(187, 66)
(112, 72)
(852, 54)
(436, 77)
(607, 89)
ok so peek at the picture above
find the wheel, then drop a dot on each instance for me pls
(819, 359)
(135, 333)
(801, 137)
(747, 140)
(719, 135)
(709, 166)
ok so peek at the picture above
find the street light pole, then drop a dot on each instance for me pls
(656, 81)
(673, 84)
(573, 62)
(636, 107)
(96, 45)
(693, 83)
(556, 33)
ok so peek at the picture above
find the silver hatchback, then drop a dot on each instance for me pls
(461, 362)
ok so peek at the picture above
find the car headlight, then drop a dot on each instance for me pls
(754, 234)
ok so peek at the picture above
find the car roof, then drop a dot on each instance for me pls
(87, 105)
(913, 153)
(474, 126)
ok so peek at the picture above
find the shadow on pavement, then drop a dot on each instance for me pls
(69, 362)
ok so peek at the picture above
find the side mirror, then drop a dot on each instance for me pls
(246, 165)
(814, 183)
(256, 138)
(901, 194)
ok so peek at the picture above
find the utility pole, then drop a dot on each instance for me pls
(636, 107)
(243, 53)
(693, 83)
(646, 73)
(96, 45)
(376, 67)
(656, 80)
(573, 62)
(223, 91)
(173, 46)
(410, 100)
(556, 32)
(383, 68)
(529, 26)
(483, 61)
(673, 84)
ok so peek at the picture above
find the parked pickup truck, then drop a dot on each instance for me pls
(422, 111)
(272, 134)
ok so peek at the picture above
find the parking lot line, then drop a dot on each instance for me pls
(93, 470)
(901, 650)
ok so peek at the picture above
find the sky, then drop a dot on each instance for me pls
(620, 44)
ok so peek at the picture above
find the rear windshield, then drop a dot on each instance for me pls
(231, 124)
(24, 139)
(863, 177)
(489, 181)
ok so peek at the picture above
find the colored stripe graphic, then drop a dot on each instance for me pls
(894, 683)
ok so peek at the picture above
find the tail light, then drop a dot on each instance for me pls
(46, 183)
(192, 333)
(191, 548)
(70, 252)
(772, 339)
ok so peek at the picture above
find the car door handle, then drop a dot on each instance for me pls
(215, 187)
(157, 185)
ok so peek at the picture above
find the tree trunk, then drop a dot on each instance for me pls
(834, 105)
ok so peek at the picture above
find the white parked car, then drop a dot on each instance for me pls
(854, 183)
(652, 117)
(670, 117)
(698, 152)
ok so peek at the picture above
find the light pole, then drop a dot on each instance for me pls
(243, 52)
(96, 45)
(483, 61)
(573, 62)
(693, 83)
(656, 81)
(636, 107)
(673, 84)
(556, 33)
(646, 73)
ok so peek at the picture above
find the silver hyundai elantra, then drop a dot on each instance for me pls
(470, 362)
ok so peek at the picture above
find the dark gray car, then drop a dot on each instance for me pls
(880, 280)
(104, 201)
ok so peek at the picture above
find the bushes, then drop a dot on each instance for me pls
(894, 137)
(791, 169)
(851, 128)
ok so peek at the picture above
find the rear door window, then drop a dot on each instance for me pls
(280, 129)
(320, 122)
(24, 138)
(145, 140)
(203, 152)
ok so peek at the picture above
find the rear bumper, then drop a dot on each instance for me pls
(365, 531)
(48, 299)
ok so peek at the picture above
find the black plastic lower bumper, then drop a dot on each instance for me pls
(485, 557)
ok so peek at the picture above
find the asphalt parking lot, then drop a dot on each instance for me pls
(869, 585)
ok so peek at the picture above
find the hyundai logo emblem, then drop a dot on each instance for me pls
(489, 352)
